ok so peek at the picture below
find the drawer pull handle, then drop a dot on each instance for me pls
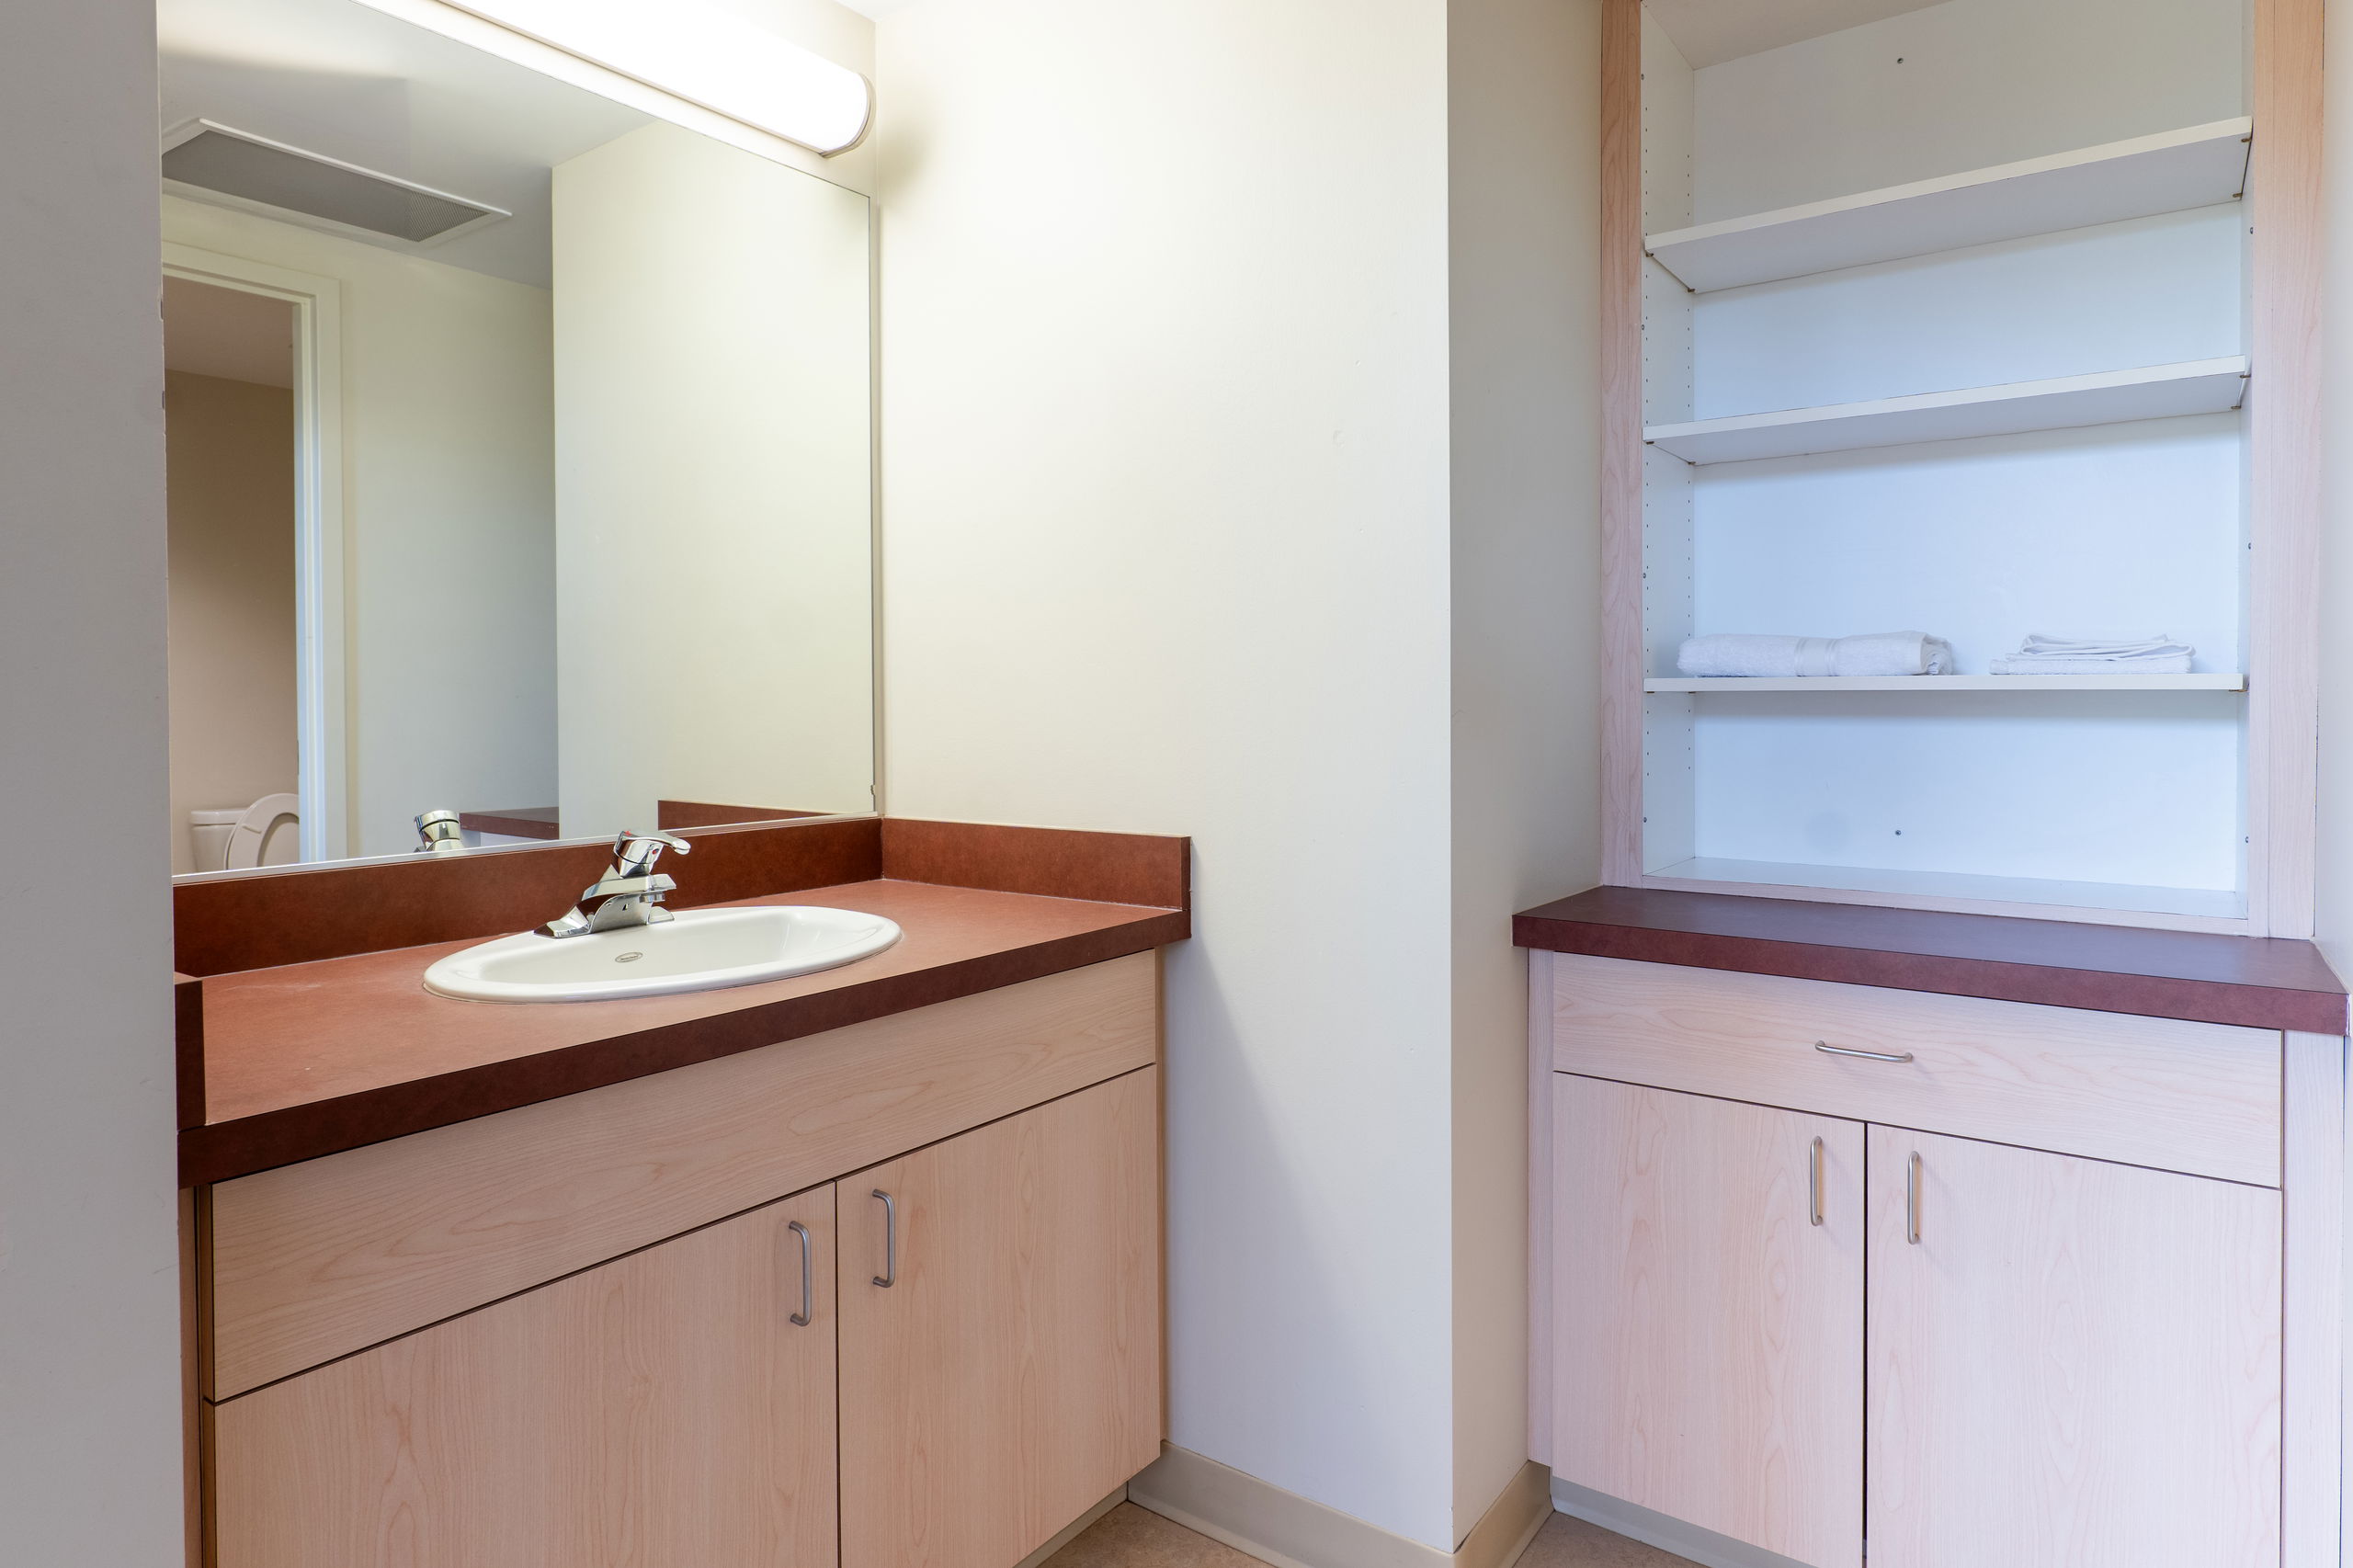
(1912, 1200)
(1815, 1184)
(808, 1276)
(890, 1275)
(1827, 1049)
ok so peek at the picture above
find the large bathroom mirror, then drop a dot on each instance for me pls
(520, 452)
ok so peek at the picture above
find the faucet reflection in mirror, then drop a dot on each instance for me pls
(440, 832)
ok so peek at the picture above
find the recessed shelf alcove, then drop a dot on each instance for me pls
(1964, 320)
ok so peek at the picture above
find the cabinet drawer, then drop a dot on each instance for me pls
(317, 1260)
(2203, 1098)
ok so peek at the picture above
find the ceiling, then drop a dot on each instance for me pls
(343, 79)
(1710, 32)
(227, 333)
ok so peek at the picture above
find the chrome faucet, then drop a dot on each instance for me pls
(632, 890)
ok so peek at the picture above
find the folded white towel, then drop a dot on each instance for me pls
(2041, 655)
(1875, 653)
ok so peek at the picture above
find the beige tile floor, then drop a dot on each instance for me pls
(1130, 1536)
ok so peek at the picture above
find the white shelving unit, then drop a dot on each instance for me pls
(2107, 397)
(1931, 684)
(2119, 295)
(2137, 178)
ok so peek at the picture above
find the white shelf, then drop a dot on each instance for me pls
(2166, 173)
(2108, 397)
(1947, 887)
(1947, 683)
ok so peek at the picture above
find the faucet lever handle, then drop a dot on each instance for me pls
(635, 853)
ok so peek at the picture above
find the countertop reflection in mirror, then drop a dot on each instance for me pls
(518, 447)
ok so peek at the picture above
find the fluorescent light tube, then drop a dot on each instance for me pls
(705, 56)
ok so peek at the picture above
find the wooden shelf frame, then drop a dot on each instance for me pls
(1936, 685)
(2108, 397)
(2174, 171)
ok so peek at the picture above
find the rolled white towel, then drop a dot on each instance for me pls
(1874, 653)
(2041, 655)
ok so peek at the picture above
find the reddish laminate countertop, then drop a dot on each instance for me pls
(2266, 982)
(309, 1059)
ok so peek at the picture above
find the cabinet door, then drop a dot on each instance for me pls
(661, 1410)
(1708, 1359)
(2075, 1365)
(1008, 1377)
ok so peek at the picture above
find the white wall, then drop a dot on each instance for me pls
(714, 489)
(89, 1309)
(1524, 166)
(1165, 478)
(448, 523)
(1166, 353)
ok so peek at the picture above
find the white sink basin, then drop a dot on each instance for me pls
(700, 949)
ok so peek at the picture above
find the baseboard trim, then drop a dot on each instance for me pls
(1704, 1546)
(1287, 1530)
(1073, 1530)
(1510, 1522)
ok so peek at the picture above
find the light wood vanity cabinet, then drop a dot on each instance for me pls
(1008, 1377)
(2075, 1362)
(715, 1397)
(1710, 1312)
(1962, 1350)
(662, 1408)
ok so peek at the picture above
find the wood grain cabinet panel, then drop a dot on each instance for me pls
(661, 1410)
(1008, 1377)
(2203, 1098)
(2075, 1366)
(1708, 1334)
(320, 1259)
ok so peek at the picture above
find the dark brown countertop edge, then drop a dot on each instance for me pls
(2282, 985)
(226, 1149)
(188, 1048)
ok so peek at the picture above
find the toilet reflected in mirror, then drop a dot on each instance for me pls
(518, 448)
(267, 833)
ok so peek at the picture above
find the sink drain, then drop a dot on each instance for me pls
(628, 958)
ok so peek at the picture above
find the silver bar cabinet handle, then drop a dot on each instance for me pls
(1829, 1049)
(890, 1275)
(1912, 1200)
(808, 1276)
(1814, 1172)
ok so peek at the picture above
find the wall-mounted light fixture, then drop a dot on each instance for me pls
(691, 50)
